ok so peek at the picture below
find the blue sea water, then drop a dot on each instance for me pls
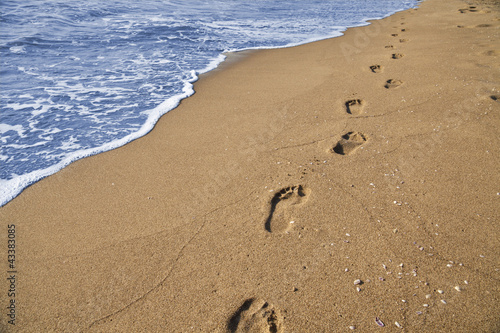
(82, 77)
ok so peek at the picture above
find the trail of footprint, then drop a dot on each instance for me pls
(349, 143)
(391, 84)
(403, 40)
(355, 106)
(397, 55)
(256, 316)
(377, 69)
(277, 220)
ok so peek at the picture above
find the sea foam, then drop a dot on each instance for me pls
(84, 77)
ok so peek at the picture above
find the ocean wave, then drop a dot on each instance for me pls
(83, 77)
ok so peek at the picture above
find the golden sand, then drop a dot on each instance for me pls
(344, 184)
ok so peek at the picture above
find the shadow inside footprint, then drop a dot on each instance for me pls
(397, 56)
(471, 9)
(390, 84)
(376, 68)
(355, 106)
(256, 315)
(495, 97)
(281, 201)
(349, 143)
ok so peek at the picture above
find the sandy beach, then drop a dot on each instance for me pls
(350, 184)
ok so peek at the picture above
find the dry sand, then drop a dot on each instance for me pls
(299, 190)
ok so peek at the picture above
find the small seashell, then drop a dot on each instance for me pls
(466, 282)
(397, 324)
(352, 327)
(419, 312)
(358, 289)
(440, 291)
(403, 300)
(379, 322)
(358, 281)
(428, 296)
(457, 288)
(346, 270)
(426, 305)
(443, 301)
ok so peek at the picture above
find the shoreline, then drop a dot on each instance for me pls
(231, 56)
(345, 182)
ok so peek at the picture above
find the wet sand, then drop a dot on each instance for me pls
(339, 185)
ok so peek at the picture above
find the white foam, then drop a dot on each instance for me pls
(18, 49)
(95, 89)
(4, 128)
(13, 187)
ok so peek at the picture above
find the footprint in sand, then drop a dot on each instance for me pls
(479, 26)
(496, 98)
(278, 219)
(391, 84)
(349, 143)
(473, 9)
(389, 46)
(256, 316)
(397, 56)
(376, 68)
(355, 106)
(395, 35)
(403, 40)
(470, 9)
(491, 53)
